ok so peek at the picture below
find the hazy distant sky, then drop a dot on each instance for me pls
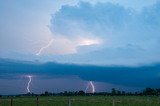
(120, 32)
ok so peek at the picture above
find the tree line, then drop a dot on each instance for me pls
(114, 92)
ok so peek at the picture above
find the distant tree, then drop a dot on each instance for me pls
(81, 93)
(129, 93)
(123, 93)
(149, 91)
(136, 93)
(113, 92)
(157, 92)
(65, 93)
(46, 93)
(53, 93)
(76, 93)
(70, 93)
(118, 92)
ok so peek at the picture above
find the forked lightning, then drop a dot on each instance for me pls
(44, 47)
(28, 84)
(92, 85)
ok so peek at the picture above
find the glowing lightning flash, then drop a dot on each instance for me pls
(92, 85)
(93, 88)
(44, 47)
(28, 84)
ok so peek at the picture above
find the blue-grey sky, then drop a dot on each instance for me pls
(117, 32)
(56, 77)
(114, 43)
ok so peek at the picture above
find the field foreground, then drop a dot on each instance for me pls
(81, 101)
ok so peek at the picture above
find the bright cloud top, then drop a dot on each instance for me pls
(83, 31)
(127, 35)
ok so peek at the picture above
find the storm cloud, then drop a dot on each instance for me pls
(142, 76)
(126, 34)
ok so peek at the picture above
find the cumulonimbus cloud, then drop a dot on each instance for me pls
(116, 25)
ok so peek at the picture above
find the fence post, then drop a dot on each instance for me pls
(11, 101)
(69, 102)
(37, 101)
(113, 102)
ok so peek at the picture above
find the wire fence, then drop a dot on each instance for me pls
(71, 101)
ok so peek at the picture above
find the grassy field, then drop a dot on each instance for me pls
(83, 101)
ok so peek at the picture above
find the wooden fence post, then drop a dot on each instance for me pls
(37, 101)
(69, 102)
(113, 102)
(11, 101)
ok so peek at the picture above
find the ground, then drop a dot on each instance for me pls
(82, 101)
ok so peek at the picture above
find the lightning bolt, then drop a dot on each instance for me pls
(28, 84)
(93, 88)
(44, 47)
(92, 85)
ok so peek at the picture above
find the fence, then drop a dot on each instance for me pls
(36, 102)
(79, 101)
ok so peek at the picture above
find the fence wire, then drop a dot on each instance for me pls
(80, 101)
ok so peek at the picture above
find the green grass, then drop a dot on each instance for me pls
(84, 101)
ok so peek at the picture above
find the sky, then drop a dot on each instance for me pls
(114, 43)
(106, 32)
(56, 77)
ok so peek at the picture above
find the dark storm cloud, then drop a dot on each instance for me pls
(142, 76)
